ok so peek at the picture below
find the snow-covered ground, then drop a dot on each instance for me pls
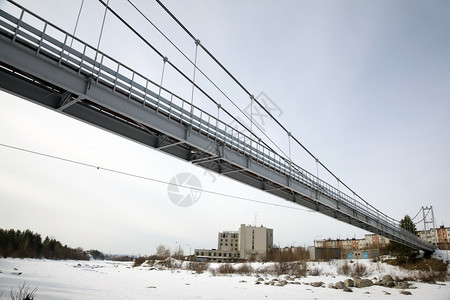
(118, 280)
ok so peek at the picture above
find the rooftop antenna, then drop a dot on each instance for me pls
(256, 217)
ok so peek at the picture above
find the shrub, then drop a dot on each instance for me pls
(139, 261)
(431, 276)
(244, 269)
(23, 293)
(344, 269)
(225, 268)
(263, 270)
(359, 270)
(297, 268)
(315, 271)
(429, 270)
(171, 263)
(213, 271)
(281, 267)
(198, 267)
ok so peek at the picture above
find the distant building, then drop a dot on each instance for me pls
(439, 237)
(316, 253)
(367, 247)
(250, 242)
(254, 242)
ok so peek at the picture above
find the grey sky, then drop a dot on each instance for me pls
(363, 84)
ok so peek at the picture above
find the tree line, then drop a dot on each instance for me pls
(27, 244)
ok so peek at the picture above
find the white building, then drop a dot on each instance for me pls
(254, 242)
(250, 242)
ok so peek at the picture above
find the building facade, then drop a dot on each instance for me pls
(250, 243)
(439, 237)
(368, 247)
(254, 242)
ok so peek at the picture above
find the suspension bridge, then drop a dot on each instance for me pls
(40, 64)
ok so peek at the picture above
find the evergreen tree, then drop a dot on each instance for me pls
(16, 243)
(402, 251)
(408, 224)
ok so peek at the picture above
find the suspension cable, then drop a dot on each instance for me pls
(101, 30)
(196, 86)
(417, 214)
(212, 82)
(197, 42)
(76, 23)
(259, 104)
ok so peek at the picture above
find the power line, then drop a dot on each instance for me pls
(77, 162)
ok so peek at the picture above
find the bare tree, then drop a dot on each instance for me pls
(162, 252)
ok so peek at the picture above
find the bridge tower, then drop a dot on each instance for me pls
(429, 222)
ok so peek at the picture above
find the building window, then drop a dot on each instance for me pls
(220, 254)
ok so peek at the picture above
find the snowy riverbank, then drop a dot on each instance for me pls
(118, 280)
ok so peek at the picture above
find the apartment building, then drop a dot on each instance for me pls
(250, 242)
(439, 237)
(254, 242)
(366, 247)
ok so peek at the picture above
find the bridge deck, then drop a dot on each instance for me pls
(69, 76)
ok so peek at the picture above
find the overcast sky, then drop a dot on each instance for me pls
(364, 85)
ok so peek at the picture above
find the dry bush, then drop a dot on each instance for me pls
(213, 271)
(281, 268)
(244, 269)
(139, 261)
(226, 268)
(171, 263)
(431, 276)
(344, 269)
(429, 270)
(198, 267)
(297, 268)
(23, 293)
(263, 270)
(316, 271)
(359, 270)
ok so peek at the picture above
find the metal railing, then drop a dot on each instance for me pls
(73, 54)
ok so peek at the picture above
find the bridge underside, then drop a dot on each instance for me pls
(48, 81)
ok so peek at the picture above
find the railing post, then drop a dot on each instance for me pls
(62, 49)
(40, 42)
(131, 86)
(82, 59)
(145, 93)
(18, 26)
